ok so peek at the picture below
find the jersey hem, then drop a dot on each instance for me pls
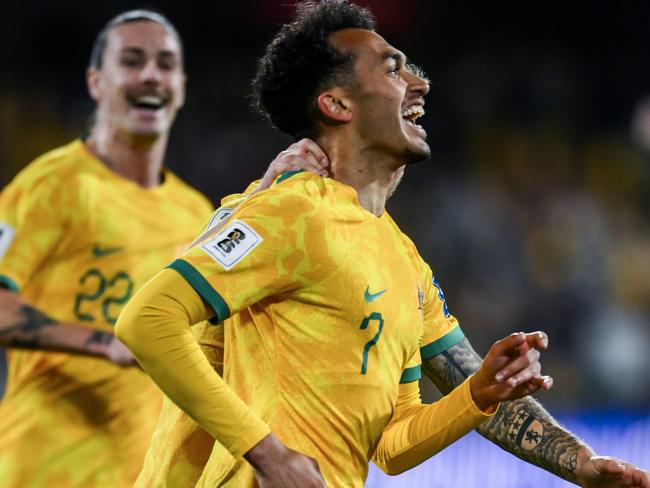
(450, 339)
(203, 288)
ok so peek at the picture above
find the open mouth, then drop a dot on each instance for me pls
(147, 102)
(411, 114)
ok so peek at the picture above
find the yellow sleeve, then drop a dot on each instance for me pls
(156, 326)
(34, 215)
(441, 328)
(417, 431)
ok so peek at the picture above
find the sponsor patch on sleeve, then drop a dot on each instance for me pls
(232, 244)
(6, 236)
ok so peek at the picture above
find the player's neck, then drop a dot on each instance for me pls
(136, 159)
(369, 172)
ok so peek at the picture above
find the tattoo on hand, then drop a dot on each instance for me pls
(28, 328)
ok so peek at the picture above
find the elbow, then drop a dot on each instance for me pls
(391, 467)
(122, 329)
(389, 460)
(125, 327)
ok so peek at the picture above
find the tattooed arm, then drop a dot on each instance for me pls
(22, 326)
(523, 428)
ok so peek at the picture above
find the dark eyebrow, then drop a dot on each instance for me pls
(137, 50)
(397, 56)
(132, 50)
(168, 54)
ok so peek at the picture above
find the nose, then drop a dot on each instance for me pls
(151, 72)
(418, 85)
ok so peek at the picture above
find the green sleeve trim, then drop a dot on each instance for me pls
(203, 288)
(411, 374)
(9, 283)
(215, 321)
(452, 338)
(288, 174)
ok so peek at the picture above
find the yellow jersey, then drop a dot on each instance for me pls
(179, 447)
(77, 240)
(338, 305)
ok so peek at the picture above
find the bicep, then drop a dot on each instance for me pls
(452, 366)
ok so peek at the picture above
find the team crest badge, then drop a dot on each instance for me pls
(420, 299)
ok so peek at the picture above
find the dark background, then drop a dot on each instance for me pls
(533, 211)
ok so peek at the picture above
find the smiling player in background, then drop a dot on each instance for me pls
(81, 229)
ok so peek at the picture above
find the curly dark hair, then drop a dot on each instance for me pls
(300, 62)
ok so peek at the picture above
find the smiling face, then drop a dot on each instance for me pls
(387, 97)
(141, 84)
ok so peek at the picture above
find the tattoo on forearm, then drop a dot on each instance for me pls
(525, 430)
(572, 463)
(25, 333)
(521, 427)
(453, 364)
(451, 367)
(99, 338)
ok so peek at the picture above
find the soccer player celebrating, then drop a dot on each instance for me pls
(81, 229)
(329, 306)
(298, 257)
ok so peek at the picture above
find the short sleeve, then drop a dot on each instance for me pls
(441, 329)
(274, 243)
(33, 220)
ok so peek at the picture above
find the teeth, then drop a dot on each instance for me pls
(149, 100)
(413, 112)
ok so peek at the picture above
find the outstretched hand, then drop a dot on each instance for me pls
(609, 472)
(510, 370)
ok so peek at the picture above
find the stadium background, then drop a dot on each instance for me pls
(533, 211)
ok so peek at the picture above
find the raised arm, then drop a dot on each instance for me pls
(416, 432)
(524, 428)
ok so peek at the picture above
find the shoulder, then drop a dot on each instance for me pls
(58, 163)
(302, 182)
(49, 173)
(293, 195)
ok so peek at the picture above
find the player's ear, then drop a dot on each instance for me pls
(335, 105)
(93, 81)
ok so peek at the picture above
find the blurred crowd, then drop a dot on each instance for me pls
(533, 212)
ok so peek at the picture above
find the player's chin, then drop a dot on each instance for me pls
(150, 131)
(417, 152)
